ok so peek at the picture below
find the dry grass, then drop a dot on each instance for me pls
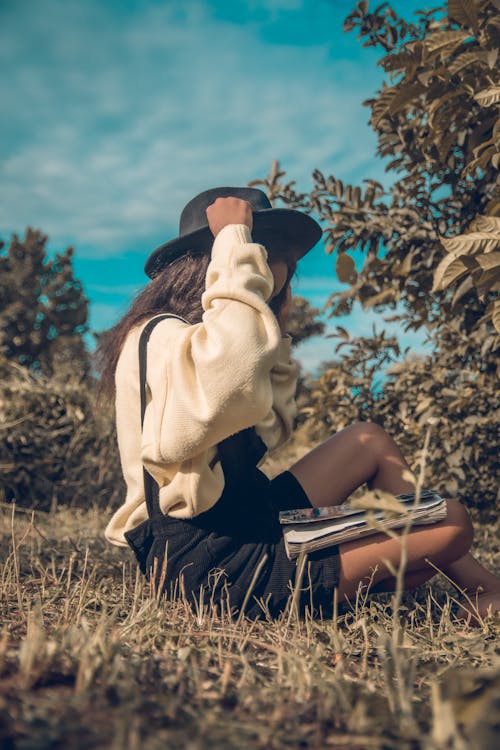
(89, 660)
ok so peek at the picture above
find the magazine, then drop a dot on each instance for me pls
(309, 529)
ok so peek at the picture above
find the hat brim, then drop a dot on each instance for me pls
(288, 231)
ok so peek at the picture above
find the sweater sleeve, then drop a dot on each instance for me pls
(277, 426)
(209, 380)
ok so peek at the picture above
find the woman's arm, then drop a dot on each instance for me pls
(210, 380)
(277, 426)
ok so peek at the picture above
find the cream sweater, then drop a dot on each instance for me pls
(204, 382)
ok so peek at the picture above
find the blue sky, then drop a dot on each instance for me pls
(117, 113)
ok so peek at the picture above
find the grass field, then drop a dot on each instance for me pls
(89, 660)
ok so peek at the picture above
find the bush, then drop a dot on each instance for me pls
(56, 447)
(444, 391)
(429, 245)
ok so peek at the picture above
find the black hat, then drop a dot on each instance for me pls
(293, 229)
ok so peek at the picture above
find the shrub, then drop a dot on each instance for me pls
(445, 391)
(56, 447)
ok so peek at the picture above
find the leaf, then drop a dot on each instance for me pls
(444, 143)
(489, 154)
(464, 12)
(471, 243)
(406, 264)
(404, 96)
(400, 268)
(485, 224)
(489, 260)
(488, 281)
(496, 315)
(396, 61)
(442, 39)
(438, 103)
(463, 288)
(346, 269)
(378, 299)
(491, 57)
(423, 405)
(381, 105)
(448, 271)
(464, 60)
(487, 97)
(342, 332)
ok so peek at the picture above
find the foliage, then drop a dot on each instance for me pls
(302, 323)
(55, 445)
(43, 310)
(474, 255)
(441, 390)
(437, 122)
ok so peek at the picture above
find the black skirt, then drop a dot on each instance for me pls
(233, 555)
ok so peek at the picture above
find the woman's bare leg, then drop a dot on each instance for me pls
(482, 588)
(442, 543)
(360, 453)
(410, 581)
(363, 452)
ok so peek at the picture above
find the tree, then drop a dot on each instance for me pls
(302, 321)
(43, 310)
(458, 403)
(56, 444)
(438, 123)
(436, 118)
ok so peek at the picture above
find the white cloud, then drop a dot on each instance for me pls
(123, 118)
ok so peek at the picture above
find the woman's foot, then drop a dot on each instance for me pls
(479, 607)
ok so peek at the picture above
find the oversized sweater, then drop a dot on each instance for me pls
(205, 382)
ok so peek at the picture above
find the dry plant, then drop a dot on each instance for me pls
(90, 657)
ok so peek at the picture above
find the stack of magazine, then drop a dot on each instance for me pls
(309, 529)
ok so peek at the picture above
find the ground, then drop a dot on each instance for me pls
(89, 660)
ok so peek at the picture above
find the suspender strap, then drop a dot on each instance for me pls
(151, 489)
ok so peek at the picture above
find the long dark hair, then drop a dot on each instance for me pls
(176, 289)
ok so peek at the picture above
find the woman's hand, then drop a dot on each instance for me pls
(224, 211)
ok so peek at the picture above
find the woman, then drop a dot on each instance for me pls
(219, 394)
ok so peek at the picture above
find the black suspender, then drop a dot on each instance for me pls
(151, 490)
(239, 453)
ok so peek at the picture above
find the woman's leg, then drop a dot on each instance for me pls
(360, 453)
(442, 543)
(363, 452)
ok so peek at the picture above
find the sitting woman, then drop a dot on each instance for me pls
(218, 390)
